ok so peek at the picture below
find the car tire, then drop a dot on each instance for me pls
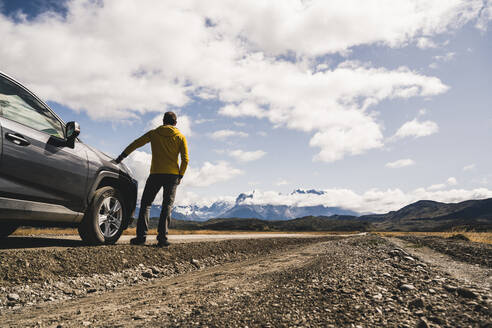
(7, 229)
(103, 220)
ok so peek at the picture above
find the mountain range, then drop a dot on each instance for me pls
(241, 208)
(424, 215)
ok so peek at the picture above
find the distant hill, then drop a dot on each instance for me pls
(426, 215)
(309, 223)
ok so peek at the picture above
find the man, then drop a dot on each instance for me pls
(167, 143)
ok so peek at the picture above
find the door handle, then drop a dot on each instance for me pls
(17, 139)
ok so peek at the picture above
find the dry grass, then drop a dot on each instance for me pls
(479, 237)
(132, 231)
(24, 231)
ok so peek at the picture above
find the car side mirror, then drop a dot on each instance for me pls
(72, 130)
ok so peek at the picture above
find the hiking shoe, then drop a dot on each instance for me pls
(137, 241)
(163, 243)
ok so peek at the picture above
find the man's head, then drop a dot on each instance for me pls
(170, 119)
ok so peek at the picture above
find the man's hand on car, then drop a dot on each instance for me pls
(119, 159)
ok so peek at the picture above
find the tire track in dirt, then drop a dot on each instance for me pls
(127, 306)
(465, 272)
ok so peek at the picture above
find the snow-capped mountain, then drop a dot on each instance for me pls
(201, 213)
(244, 208)
(248, 206)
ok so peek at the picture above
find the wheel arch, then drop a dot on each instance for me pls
(127, 187)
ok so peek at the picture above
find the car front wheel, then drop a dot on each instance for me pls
(103, 220)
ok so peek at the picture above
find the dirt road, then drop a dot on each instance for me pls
(63, 241)
(364, 281)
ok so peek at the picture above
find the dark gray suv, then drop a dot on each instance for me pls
(48, 177)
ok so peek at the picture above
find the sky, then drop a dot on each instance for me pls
(378, 103)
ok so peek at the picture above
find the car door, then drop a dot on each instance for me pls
(36, 163)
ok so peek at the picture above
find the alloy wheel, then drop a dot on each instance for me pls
(110, 216)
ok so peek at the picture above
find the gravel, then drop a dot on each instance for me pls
(62, 274)
(363, 281)
(457, 248)
(363, 289)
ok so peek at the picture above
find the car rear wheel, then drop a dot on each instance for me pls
(7, 229)
(103, 220)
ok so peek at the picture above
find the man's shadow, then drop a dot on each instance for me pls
(19, 242)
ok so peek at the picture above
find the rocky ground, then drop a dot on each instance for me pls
(361, 281)
(49, 274)
(457, 247)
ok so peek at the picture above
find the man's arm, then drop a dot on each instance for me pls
(183, 151)
(134, 145)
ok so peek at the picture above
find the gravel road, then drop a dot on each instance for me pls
(357, 281)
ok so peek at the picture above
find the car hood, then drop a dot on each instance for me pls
(109, 162)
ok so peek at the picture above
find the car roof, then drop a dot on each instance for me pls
(10, 77)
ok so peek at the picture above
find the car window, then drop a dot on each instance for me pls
(18, 105)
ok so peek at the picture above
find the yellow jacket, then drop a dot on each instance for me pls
(166, 142)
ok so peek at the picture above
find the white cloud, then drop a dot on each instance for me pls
(243, 109)
(224, 134)
(445, 58)
(442, 58)
(400, 163)
(186, 197)
(209, 94)
(203, 120)
(282, 182)
(247, 156)
(437, 186)
(425, 43)
(469, 167)
(183, 125)
(155, 122)
(115, 70)
(449, 182)
(370, 201)
(417, 129)
(354, 136)
(220, 151)
(207, 175)
(334, 104)
(433, 65)
(210, 174)
(139, 162)
(452, 181)
(485, 16)
(319, 27)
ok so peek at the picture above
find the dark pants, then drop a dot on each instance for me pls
(153, 185)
